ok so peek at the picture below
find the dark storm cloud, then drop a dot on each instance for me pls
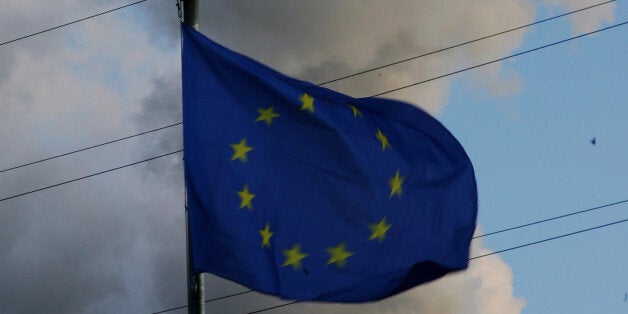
(58, 255)
(163, 107)
(81, 247)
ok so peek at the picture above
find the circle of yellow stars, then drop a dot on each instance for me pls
(338, 254)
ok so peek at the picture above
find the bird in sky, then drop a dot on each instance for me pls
(593, 141)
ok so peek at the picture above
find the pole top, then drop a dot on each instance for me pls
(190, 13)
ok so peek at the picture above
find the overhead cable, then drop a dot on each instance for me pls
(484, 255)
(472, 258)
(72, 22)
(338, 79)
(88, 176)
(274, 307)
(390, 91)
(502, 59)
(206, 301)
(465, 43)
(550, 219)
(379, 94)
(90, 147)
(549, 239)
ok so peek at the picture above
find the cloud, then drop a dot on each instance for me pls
(115, 243)
(322, 41)
(587, 21)
(87, 246)
(52, 256)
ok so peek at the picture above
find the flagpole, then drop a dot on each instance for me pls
(196, 295)
(190, 13)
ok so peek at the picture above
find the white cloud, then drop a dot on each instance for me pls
(339, 38)
(586, 21)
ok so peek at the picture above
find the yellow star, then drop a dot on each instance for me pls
(395, 184)
(266, 234)
(382, 138)
(356, 112)
(240, 150)
(267, 115)
(246, 197)
(378, 230)
(338, 255)
(294, 257)
(308, 103)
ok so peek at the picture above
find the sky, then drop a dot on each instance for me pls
(115, 243)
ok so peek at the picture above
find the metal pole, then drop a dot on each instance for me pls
(196, 294)
(190, 13)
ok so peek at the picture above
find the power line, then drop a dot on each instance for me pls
(379, 94)
(465, 43)
(171, 309)
(72, 22)
(472, 258)
(274, 307)
(485, 255)
(91, 147)
(320, 84)
(479, 236)
(549, 239)
(502, 59)
(88, 176)
(206, 301)
(550, 219)
(229, 296)
(344, 77)
(389, 91)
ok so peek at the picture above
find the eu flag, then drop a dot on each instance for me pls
(302, 192)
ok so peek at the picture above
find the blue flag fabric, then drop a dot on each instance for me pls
(302, 192)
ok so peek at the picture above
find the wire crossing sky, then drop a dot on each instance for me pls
(175, 124)
(379, 94)
(70, 23)
(472, 258)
